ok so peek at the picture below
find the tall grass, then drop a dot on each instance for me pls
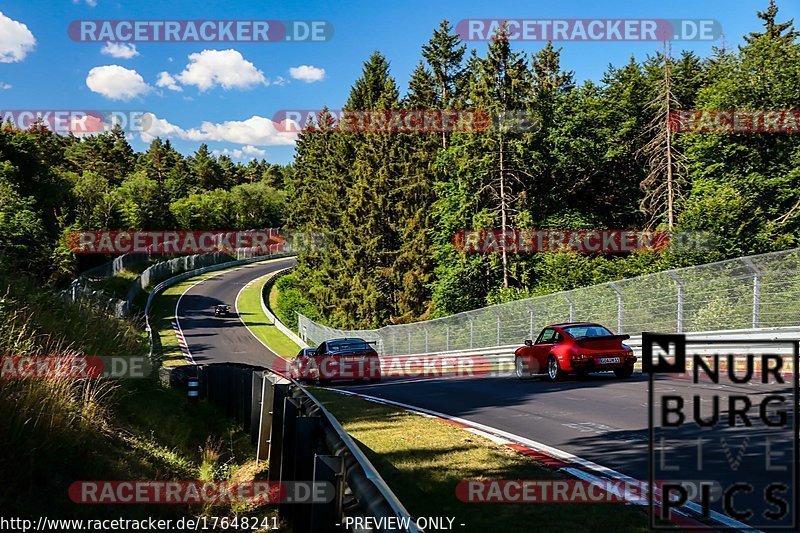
(45, 421)
(54, 432)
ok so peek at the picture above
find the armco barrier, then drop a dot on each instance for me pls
(271, 316)
(303, 442)
(499, 360)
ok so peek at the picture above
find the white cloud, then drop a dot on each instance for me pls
(16, 40)
(153, 127)
(90, 3)
(226, 68)
(166, 80)
(307, 73)
(253, 132)
(5, 86)
(120, 50)
(116, 82)
(280, 80)
(245, 152)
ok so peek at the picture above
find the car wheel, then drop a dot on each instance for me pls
(519, 369)
(554, 371)
(624, 372)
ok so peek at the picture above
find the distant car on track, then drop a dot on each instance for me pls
(574, 347)
(337, 359)
(222, 310)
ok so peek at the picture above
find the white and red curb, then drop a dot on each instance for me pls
(560, 461)
(182, 342)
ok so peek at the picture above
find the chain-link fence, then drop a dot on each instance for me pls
(115, 266)
(748, 292)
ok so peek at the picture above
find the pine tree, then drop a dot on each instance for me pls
(502, 86)
(415, 197)
(781, 32)
(205, 169)
(444, 54)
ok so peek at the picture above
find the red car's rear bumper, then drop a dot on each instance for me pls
(593, 365)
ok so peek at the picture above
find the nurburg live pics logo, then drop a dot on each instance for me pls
(732, 435)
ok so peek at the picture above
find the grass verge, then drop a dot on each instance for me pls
(251, 313)
(423, 461)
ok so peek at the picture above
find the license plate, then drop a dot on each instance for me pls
(608, 360)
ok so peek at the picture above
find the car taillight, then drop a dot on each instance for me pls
(578, 356)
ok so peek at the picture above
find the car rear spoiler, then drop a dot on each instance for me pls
(603, 338)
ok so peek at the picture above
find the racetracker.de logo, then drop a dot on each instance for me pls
(199, 492)
(582, 241)
(200, 31)
(73, 367)
(175, 242)
(735, 121)
(75, 121)
(401, 121)
(591, 30)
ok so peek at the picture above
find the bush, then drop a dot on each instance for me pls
(291, 301)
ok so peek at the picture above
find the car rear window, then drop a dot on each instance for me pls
(587, 331)
(355, 345)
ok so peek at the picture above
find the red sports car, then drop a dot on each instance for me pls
(574, 347)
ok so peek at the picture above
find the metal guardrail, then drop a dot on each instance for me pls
(499, 360)
(314, 446)
(271, 316)
(299, 437)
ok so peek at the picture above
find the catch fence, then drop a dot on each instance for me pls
(750, 292)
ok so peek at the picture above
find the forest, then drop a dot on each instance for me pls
(388, 204)
(603, 156)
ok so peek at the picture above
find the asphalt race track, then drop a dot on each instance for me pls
(223, 339)
(601, 418)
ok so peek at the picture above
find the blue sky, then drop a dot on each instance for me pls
(54, 73)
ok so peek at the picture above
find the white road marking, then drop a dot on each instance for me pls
(554, 452)
(178, 303)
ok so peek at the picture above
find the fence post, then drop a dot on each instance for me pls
(426, 338)
(291, 411)
(571, 306)
(499, 328)
(471, 332)
(619, 306)
(447, 338)
(409, 340)
(756, 290)
(328, 469)
(299, 324)
(681, 287)
(533, 317)
(307, 430)
(280, 394)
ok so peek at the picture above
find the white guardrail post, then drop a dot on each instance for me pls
(756, 288)
(681, 288)
(619, 306)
